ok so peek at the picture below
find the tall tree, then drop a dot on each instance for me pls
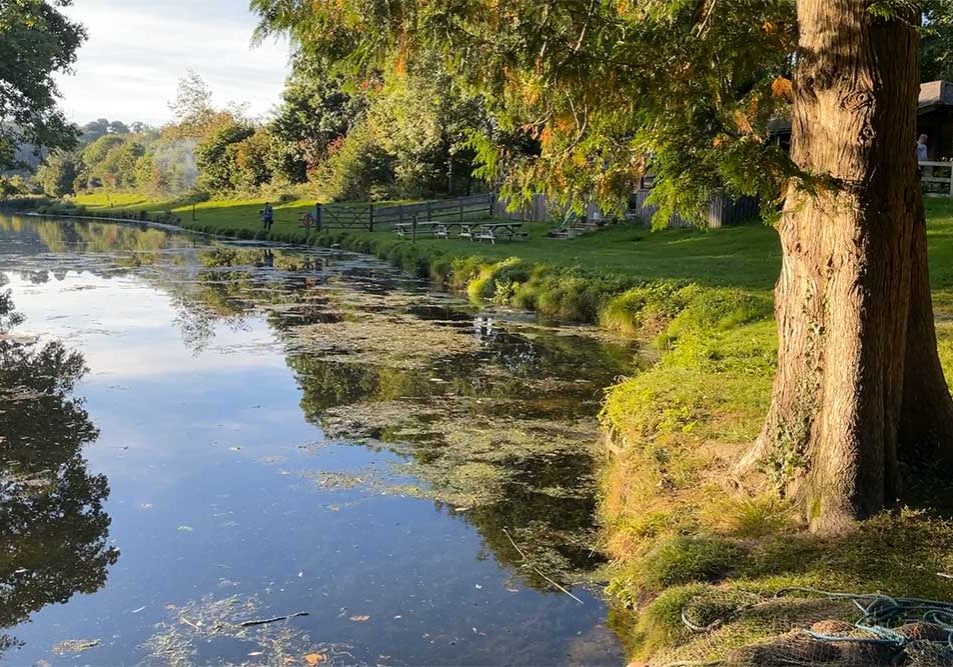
(936, 46)
(687, 88)
(36, 41)
(314, 112)
(58, 173)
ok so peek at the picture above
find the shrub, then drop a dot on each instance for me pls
(647, 308)
(358, 170)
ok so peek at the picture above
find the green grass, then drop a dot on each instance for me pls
(677, 428)
(747, 256)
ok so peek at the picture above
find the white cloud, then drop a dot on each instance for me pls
(138, 49)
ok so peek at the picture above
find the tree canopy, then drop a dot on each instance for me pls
(36, 41)
(604, 88)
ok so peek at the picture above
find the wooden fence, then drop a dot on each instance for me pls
(937, 178)
(722, 211)
(377, 216)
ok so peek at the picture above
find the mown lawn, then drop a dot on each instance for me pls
(746, 256)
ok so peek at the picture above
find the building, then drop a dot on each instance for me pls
(935, 119)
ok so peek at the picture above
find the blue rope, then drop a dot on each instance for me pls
(881, 614)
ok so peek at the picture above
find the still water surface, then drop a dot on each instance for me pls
(261, 431)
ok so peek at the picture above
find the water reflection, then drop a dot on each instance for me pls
(492, 415)
(493, 420)
(54, 541)
(487, 415)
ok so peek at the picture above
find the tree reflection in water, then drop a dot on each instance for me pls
(55, 532)
(498, 426)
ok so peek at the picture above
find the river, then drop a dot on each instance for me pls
(198, 435)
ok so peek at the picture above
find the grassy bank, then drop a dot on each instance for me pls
(685, 541)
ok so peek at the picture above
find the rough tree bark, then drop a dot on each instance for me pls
(859, 383)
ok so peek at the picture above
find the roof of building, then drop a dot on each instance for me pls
(936, 93)
(933, 95)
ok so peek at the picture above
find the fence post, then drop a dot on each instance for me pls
(413, 229)
(317, 217)
(370, 217)
(461, 211)
(429, 211)
(492, 199)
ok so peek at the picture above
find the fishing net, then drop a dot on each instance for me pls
(888, 631)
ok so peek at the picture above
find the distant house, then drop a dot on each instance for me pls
(934, 119)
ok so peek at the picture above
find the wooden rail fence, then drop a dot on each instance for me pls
(377, 216)
(937, 178)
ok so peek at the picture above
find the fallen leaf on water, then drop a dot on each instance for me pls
(314, 658)
(255, 653)
(360, 619)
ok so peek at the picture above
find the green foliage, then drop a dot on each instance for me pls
(57, 173)
(357, 169)
(193, 105)
(37, 41)
(111, 161)
(315, 112)
(411, 136)
(217, 155)
(936, 45)
(252, 164)
(95, 129)
(647, 307)
(598, 92)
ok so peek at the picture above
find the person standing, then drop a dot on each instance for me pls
(922, 152)
(267, 216)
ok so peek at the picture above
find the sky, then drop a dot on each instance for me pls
(137, 50)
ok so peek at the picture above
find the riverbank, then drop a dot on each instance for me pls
(680, 534)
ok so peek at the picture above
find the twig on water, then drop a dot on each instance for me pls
(530, 563)
(263, 621)
(188, 622)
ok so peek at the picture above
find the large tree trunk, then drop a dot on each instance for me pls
(859, 383)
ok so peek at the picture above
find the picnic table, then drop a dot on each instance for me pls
(493, 231)
(436, 228)
(475, 231)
